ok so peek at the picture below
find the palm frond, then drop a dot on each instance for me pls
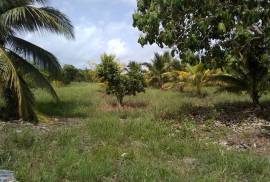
(25, 68)
(230, 80)
(230, 88)
(14, 81)
(148, 65)
(63, 24)
(39, 56)
(8, 4)
(189, 69)
(179, 86)
(195, 69)
(183, 74)
(30, 18)
(171, 75)
(26, 102)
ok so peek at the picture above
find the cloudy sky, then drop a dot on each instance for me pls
(100, 26)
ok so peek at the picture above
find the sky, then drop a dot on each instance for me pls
(100, 26)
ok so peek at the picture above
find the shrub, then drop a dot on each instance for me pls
(120, 82)
(69, 74)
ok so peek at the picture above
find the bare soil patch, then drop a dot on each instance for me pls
(253, 135)
(43, 127)
(237, 126)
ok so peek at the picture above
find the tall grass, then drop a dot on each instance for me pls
(137, 143)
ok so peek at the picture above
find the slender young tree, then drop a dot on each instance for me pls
(17, 56)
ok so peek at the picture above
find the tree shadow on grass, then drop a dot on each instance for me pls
(242, 111)
(192, 94)
(227, 113)
(135, 105)
(65, 109)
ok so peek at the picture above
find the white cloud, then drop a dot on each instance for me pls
(116, 46)
(95, 34)
(92, 41)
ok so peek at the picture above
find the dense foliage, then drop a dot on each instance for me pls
(120, 82)
(17, 55)
(233, 35)
(72, 74)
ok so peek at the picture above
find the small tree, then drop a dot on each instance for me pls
(120, 82)
(136, 78)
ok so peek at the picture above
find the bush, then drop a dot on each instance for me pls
(71, 74)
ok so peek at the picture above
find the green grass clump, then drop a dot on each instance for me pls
(100, 142)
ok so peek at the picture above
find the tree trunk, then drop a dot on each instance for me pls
(11, 108)
(120, 99)
(160, 82)
(255, 93)
(199, 91)
(255, 98)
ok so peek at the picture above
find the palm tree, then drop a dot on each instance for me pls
(196, 76)
(238, 83)
(160, 65)
(199, 76)
(176, 80)
(18, 57)
(247, 73)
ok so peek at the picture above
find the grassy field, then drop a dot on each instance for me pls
(157, 136)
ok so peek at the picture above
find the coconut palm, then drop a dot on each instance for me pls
(17, 56)
(199, 76)
(247, 75)
(238, 83)
(161, 64)
(196, 76)
(176, 80)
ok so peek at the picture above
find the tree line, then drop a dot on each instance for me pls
(224, 42)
